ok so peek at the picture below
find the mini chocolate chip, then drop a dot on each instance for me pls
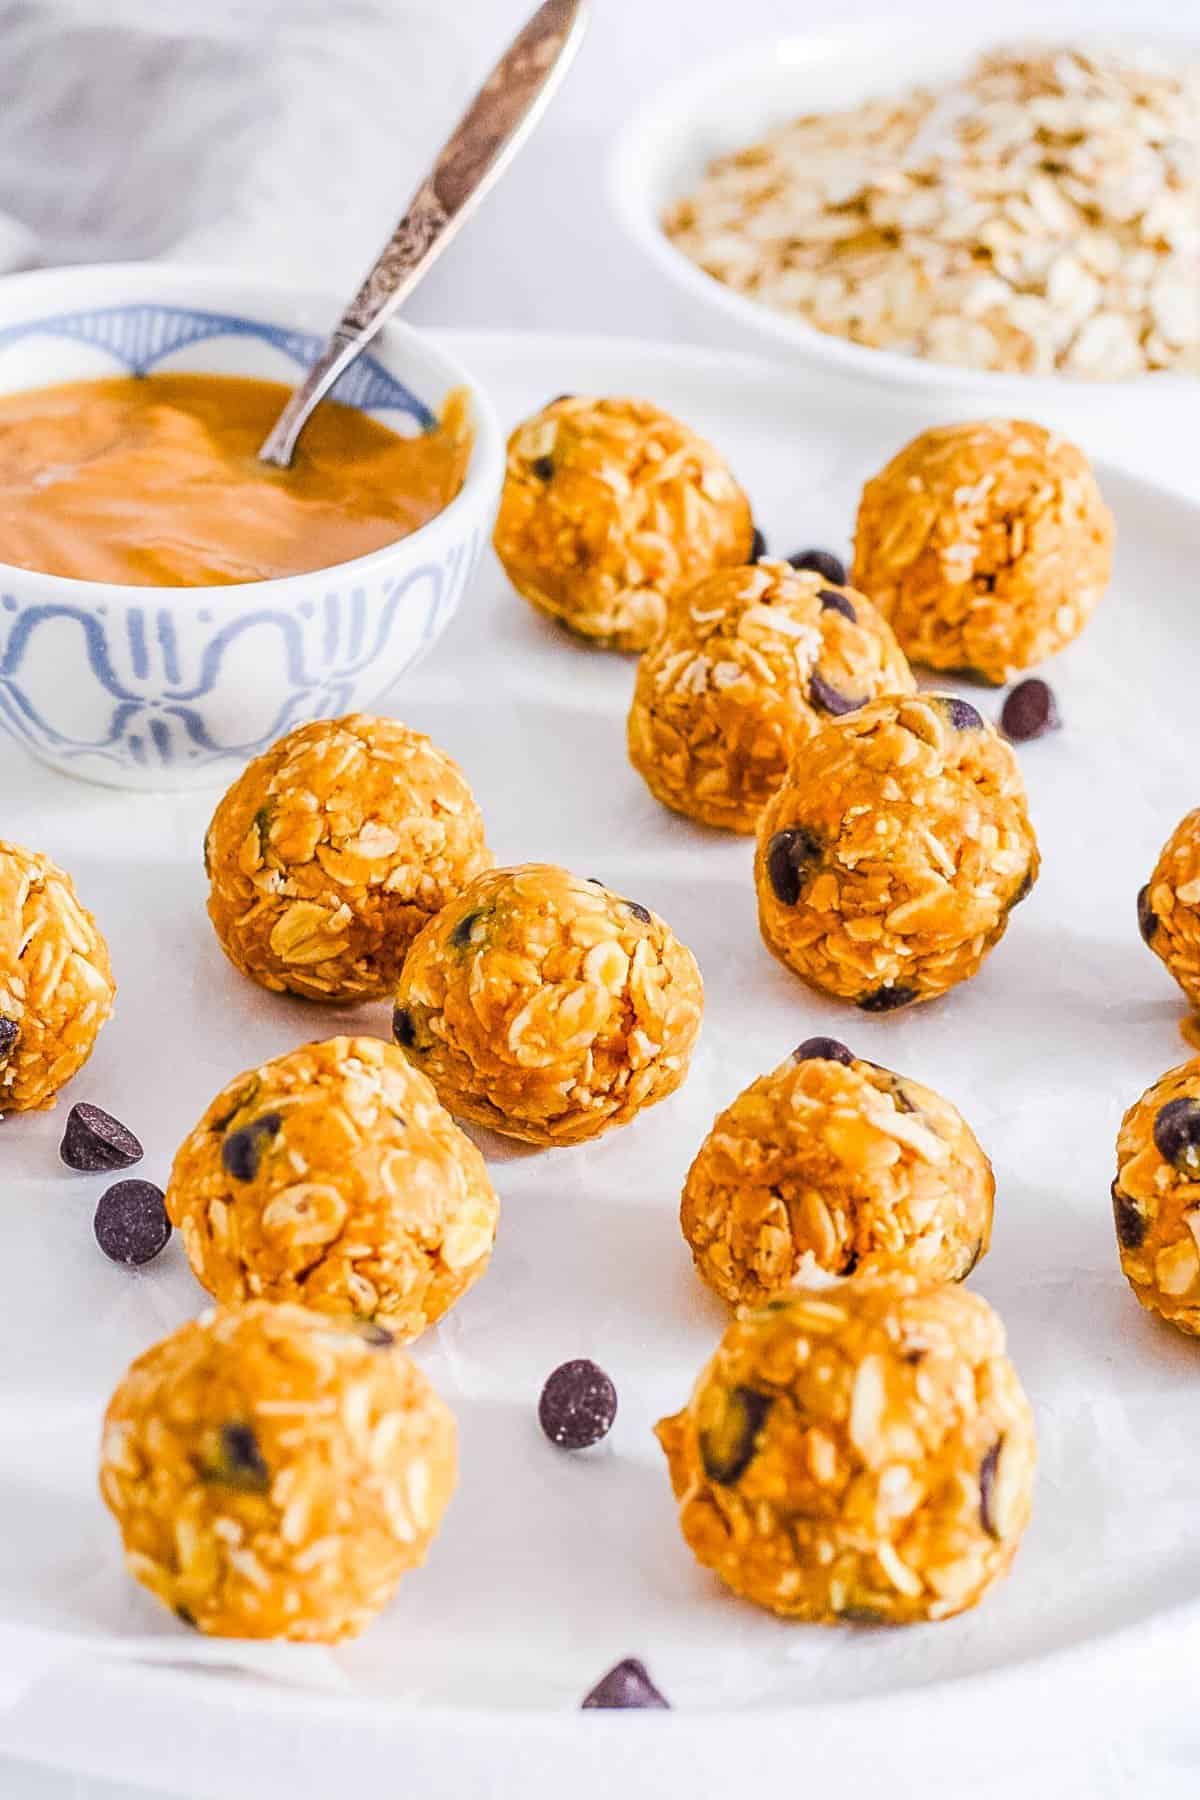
(987, 1489)
(377, 1336)
(1029, 711)
(1177, 1134)
(625, 1687)
(822, 1049)
(1147, 917)
(238, 1461)
(861, 1615)
(886, 999)
(1129, 1219)
(595, 880)
(578, 1405)
(186, 1617)
(849, 1263)
(460, 937)
(639, 911)
(542, 467)
(821, 562)
(961, 714)
(10, 1031)
(727, 1448)
(828, 699)
(93, 1140)
(242, 1151)
(758, 545)
(789, 856)
(403, 1029)
(832, 601)
(131, 1222)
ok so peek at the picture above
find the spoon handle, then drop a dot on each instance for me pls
(483, 143)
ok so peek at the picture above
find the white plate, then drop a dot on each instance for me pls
(551, 1567)
(732, 100)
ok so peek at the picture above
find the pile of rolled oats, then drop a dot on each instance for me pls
(1042, 215)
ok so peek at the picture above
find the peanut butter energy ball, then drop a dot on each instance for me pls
(548, 1008)
(332, 849)
(609, 508)
(752, 662)
(274, 1473)
(56, 984)
(889, 860)
(334, 1178)
(987, 546)
(861, 1453)
(1156, 1197)
(1169, 906)
(828, 1165)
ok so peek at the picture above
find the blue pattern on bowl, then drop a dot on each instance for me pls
(164, 696)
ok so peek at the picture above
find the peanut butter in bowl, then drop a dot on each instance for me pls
(154, 481)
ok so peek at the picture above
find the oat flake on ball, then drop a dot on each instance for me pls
(547, 1007)
(333, 1177)
(610, 507)
(274, 1473)
(889, 861)
(332, 849)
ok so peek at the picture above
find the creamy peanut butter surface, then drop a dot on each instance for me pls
(154, 481)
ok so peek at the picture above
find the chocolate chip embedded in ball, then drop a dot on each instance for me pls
(1029, 711)
(242, 1151)
(1147, 917)
(821, 562)
(832, 601)
(828, 699)
(542, 467)
(1129, 1219)
(131, 1222)
(961, 714)
(727, 1446)
(235, 1459)
(1177, 1135)
(10, 1031)
(640, 912)
(822, 1049)
(626, 1686)
(403, 1029)
(790, 856)
(93, 1141)
(578, 1405)
(758, 545)
(886, 999)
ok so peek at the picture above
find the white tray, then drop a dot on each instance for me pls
(551, 1567)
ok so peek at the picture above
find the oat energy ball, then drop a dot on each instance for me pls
(548, 1008)
(862, 1453)
(888, 862)
(275, 1473)
(56, 984)
(752, 662)
(1169, 906)
(987, 546)
(830, 1164)
(1156, 1197)
(334, 1178)
(609, 508)
(332, 849)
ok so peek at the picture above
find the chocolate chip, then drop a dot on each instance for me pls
(377, 1336)
(821, 562)
(242, 1151)
(758, 545)
(961, 714)
(639, 912)
(828, 699)
(1177, 1134)
(626, 1686)
(1147, 917)
(542, 467)
(790, 854)
(236, 1460)
(403, 1029)
(10, 1031)
(861, 1615)
(886, 999)
(578, 1405)
(727, 1448)
(94, 1140)
(460, 937)
(1129, 1219)
(595, 880)
(832, 601)
(186, 1617)
(131, 1222)
(987, 1489)
(1029, 711)
(822, 1049)
(849, 1263)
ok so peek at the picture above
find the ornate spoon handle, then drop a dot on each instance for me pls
(486, 138)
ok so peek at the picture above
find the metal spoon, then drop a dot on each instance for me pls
(484, 142)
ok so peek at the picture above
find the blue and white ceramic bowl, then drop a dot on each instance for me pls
(157, 688)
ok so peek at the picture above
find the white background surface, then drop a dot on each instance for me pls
(546, 255)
